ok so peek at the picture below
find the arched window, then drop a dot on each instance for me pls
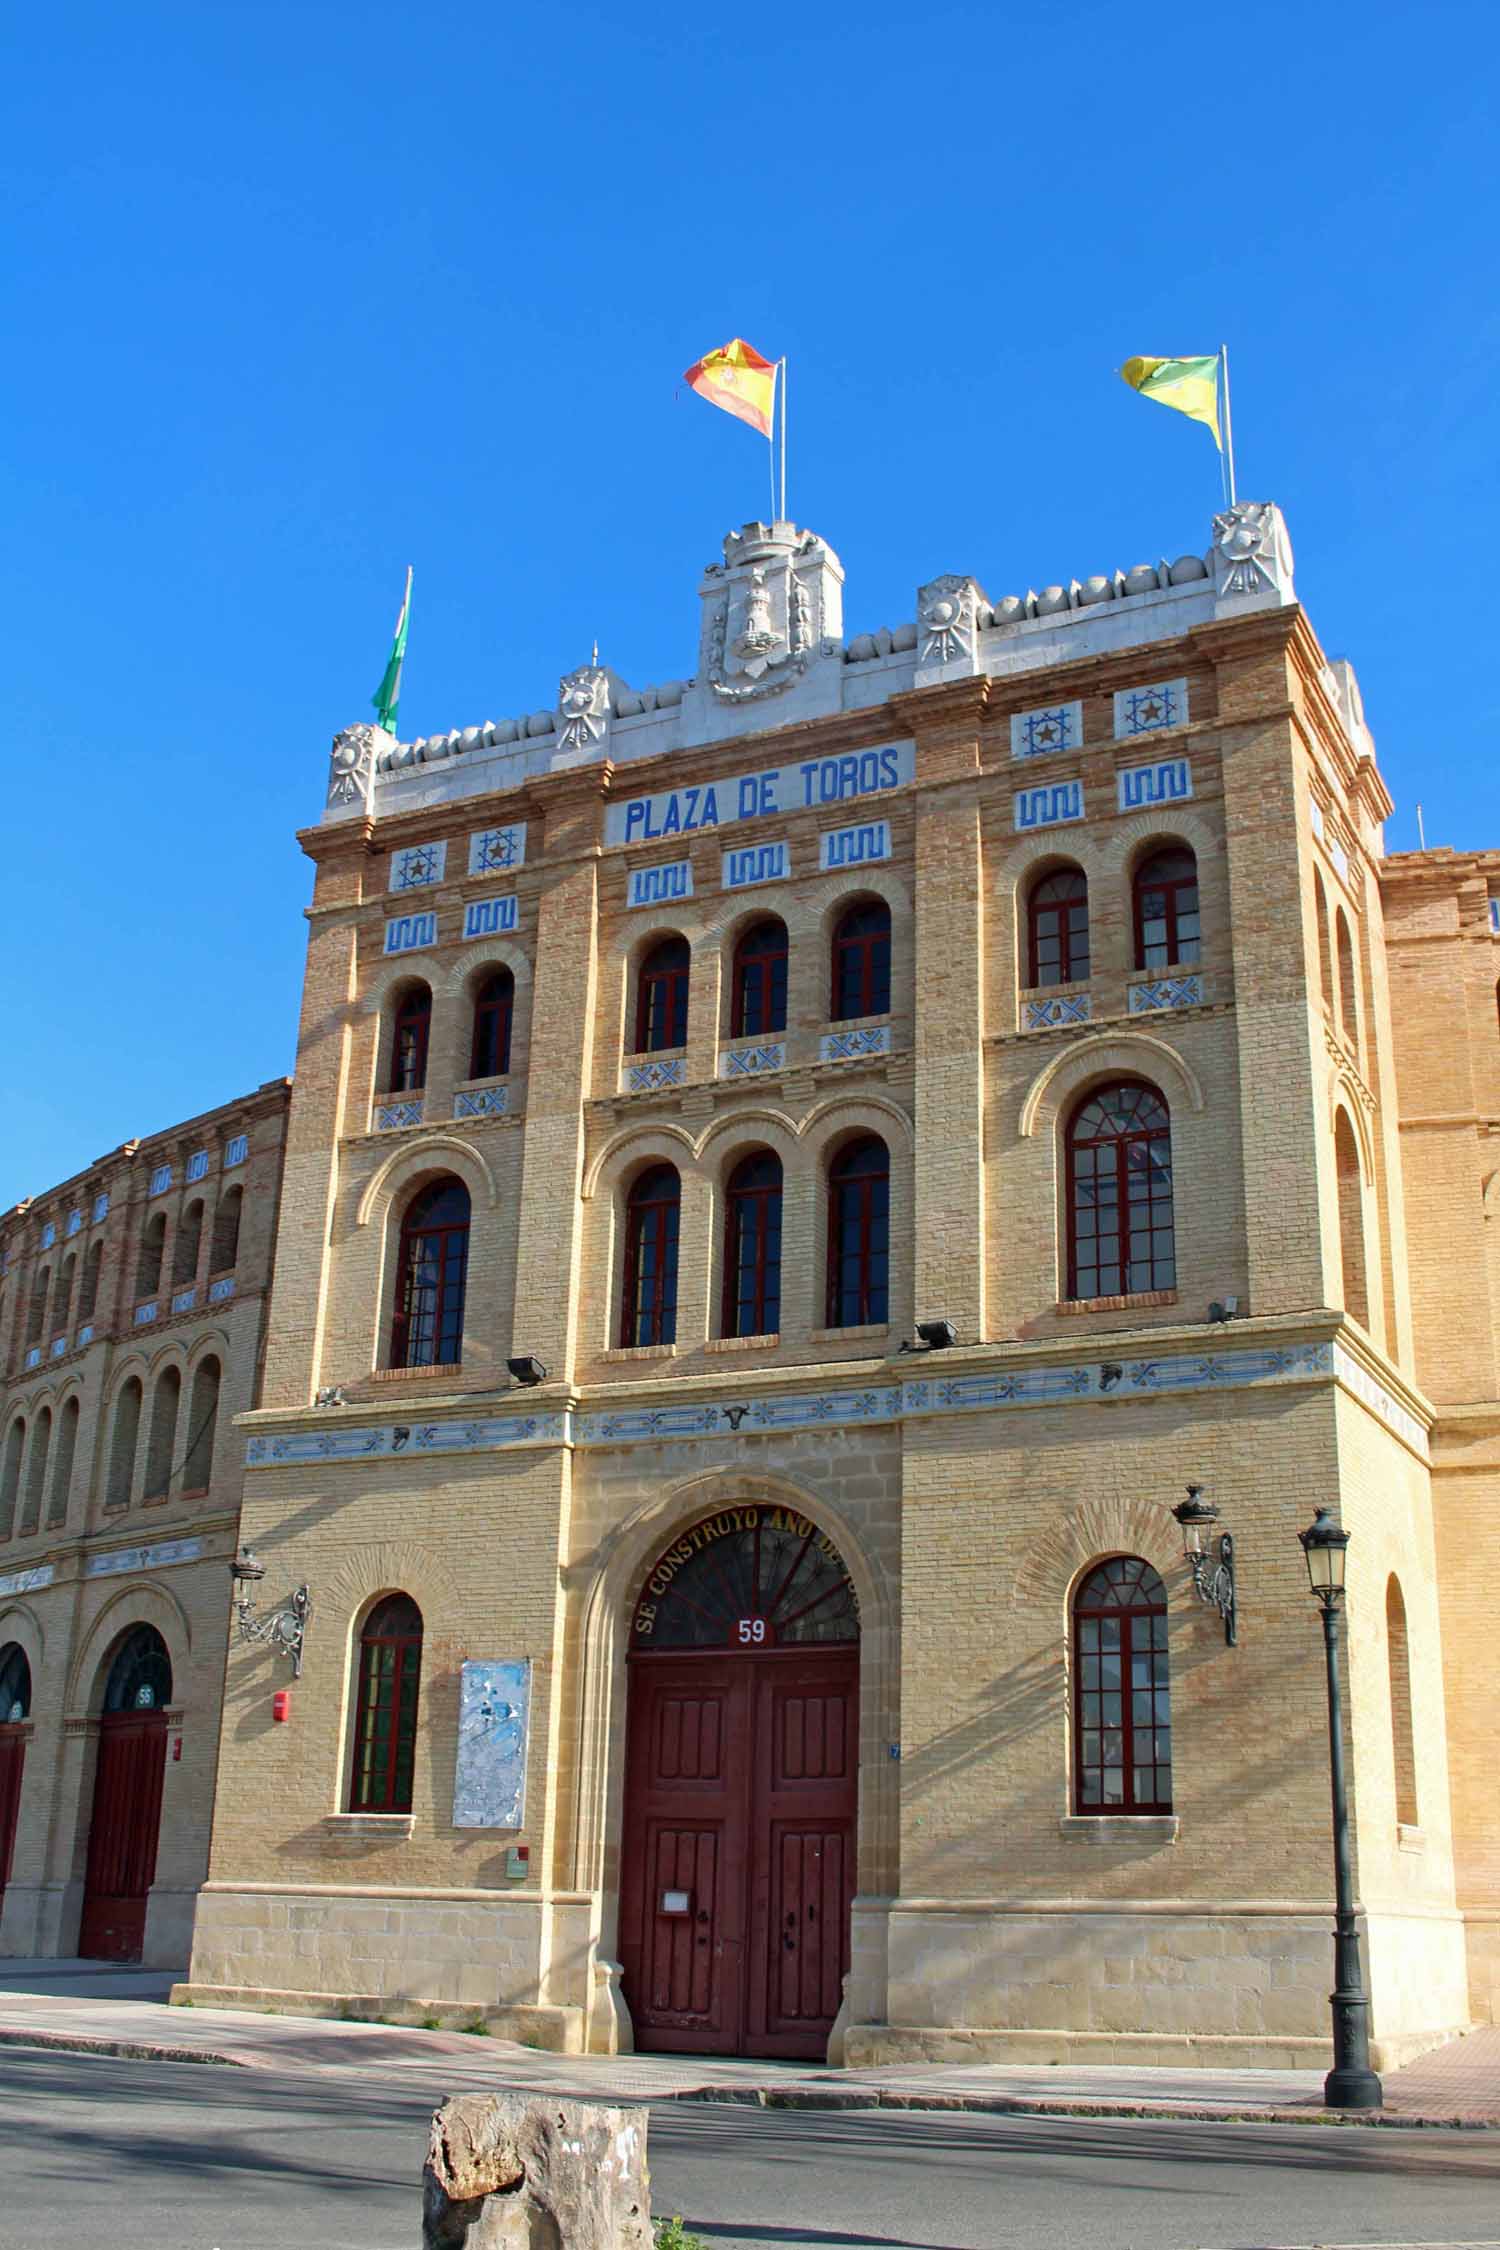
(1120, 1234)
(140, 1678)
(149, 1264)
(162, 1440)
(752, 1247)
(36, 1469)
(494, 1005)
(127, 1427)
(1325, 958)
(861, 962)
(1403, 1735)
(661, 998)
(431, 1267)
(226, 1245)
(385, 1712)
(62, 1467)
(36, 1312)
(413, 1022)
(189, 1242)
(1122, 1721)
(859, 1235)
(1057, 919)
(648, 1299)
(15, 1690)
(1348, 1003)
(90, 1296)
(758, 997)
(62, 1311)
(203, 1420)
(1166, 909)
(10, 1475)
(1351, 1219)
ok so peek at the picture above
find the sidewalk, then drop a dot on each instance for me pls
(86, 2006)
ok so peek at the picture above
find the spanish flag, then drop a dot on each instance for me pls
(738, 379)
(1191, 385)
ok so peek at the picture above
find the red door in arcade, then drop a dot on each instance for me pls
(126, 1810)
(15, 1709)
(741, 1789)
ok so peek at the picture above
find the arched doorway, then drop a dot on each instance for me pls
(127, 1798)
(741, 1788)
(15, 1710)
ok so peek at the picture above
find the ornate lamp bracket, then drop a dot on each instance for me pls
(1213, 1574)
(282, 1629)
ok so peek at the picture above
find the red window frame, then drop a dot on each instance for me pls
(410, 1033)
(1115, 1173)
(661, 998)
(758, 994)
(859, 1235)
(431, 1272)
(494, 1006)
(648, 1296)
(861, 963)
(1057, 917)
(385, 1711)
(752, 1247)
(1171, 877)
(1121, 1691)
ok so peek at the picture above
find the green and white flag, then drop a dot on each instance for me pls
(387, 697)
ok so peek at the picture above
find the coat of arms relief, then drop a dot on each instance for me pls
(768, 617)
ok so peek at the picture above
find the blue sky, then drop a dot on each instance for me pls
(301, 294)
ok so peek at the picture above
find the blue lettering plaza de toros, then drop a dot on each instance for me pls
(753, 796)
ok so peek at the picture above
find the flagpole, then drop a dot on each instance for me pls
(1228, 422)
(782, 365)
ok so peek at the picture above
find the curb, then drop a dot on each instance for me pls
(127, 2050)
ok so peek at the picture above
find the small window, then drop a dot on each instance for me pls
(62, 1311)
(187, 1246)
(494, 1005)
(431, 1272)
(648, 1309)
(862, 962)
(1121, 1238)
(752, 1247)
(1122, 1721)
(385, 1712)
(413, 1023)
(226, 1247)
(1166, 910)
(149, 1264)
(859, 1221)
(758, 1002)
(661, 1004)
(90, 1296)
(1058, 928)
(36, 1314)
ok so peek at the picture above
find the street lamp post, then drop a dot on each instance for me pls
(1351, 2084)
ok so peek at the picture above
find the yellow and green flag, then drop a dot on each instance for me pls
(1191, 385)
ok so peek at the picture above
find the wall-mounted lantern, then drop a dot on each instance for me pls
(284, 1628)
(1213, 1573)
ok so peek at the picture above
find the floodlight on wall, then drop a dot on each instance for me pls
(1223, 1310)
(528, 1370)
(1213, 1575)
(284, 1628)
(332, 1395)
(933, 1336)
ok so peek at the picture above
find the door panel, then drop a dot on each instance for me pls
(803, 1815)
(122, 1835)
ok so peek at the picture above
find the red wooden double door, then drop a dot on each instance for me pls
(739, 1850)
(122, 1834)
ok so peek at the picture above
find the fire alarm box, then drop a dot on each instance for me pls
(281, 1705)
(518, 1860)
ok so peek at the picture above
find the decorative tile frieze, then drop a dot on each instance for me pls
(411, 933)
(236, 1151)
(220, 1292)
(849, 1046)
(1053, 1015)
(197, 1166)
(1147, 710)
(59, 1347)
(85, 1335)
(26, 1581)
(753, 1061)
(101, 1208)
(854, 847)
(1166, 992)
(1166, 783)
(652, 1076)
(484, 1101)
(184, 1300)
(491, 917)
(1052, 806)
(660, 886)
(393, 1117)
(161, 1556)
(1495, 916)
(1038, 734)
(145, 1314)
(492, 1433)
(495, 851)
(752, 864)
(161, 1180)
(34, 1357)
(49, 1235)
(418, 866)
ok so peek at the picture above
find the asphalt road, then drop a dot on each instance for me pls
(158, 2156)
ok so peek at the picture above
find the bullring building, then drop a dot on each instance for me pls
(791, 1174)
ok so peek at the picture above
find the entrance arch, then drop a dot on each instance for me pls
(741, 1787)
(126, 1811)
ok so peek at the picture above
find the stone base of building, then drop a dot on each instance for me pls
(557, 2031)
(1482, 1932)
(868, 2044)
